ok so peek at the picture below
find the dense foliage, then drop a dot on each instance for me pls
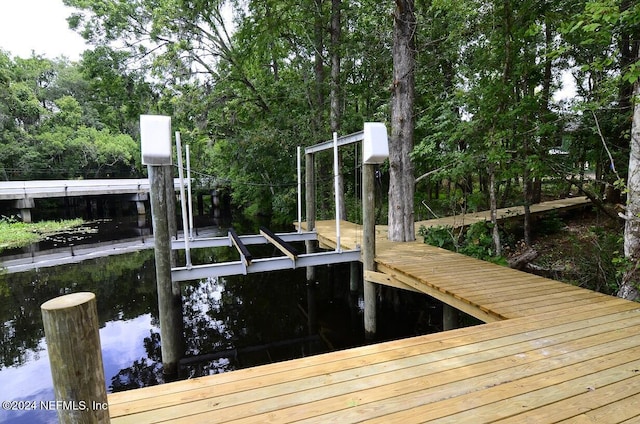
(70, 120)
(247, 81)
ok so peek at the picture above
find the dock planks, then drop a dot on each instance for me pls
(550, 353)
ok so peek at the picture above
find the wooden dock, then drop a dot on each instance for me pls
(548, 353)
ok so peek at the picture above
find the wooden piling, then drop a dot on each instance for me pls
(73, 343)
(450, 317)
(169, 303)
(369, 248)
(215, 204)
(354, 274)
(310, 208)
(310, 245)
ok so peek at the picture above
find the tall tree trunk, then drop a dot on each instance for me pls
(536, 190)
(526, 193)
(318, 68)
(335, 115)
(402, 182)
(320, 131)
(629, 288)
(493, 200)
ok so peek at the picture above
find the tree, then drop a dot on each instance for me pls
(54, 120)
(401, 185)
(629, 288)
(612, 26)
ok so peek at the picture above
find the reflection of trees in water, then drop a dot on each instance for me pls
(227, 317)
(205, 328)
(233, 322)
(230, 323)
(124, 286)
(143, 372)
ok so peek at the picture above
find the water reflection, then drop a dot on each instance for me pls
(126, 301)
(224, 318)
(229, 323)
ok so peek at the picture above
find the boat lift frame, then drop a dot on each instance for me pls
(247, 264)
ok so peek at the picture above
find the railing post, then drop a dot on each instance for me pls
(73, 343)
(336, 189)
(299, 174)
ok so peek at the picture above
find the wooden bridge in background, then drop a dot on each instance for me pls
(549, 352)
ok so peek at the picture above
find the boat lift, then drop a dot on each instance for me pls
(292, 259)
(249, 265)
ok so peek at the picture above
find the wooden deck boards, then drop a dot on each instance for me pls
(467, 375)
(550, 353)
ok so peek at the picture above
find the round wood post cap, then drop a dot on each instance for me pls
(68, 301)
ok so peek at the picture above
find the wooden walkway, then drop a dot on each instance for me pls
(549, 353)
(506, 213)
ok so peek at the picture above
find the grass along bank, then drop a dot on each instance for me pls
(15, 234)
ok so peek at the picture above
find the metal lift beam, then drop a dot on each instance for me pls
(247, 240)
(197, 272)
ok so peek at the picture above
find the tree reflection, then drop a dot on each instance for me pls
(144, 372)
(124, 286)
(229, 323)
(233, 315)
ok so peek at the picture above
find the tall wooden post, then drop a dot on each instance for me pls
(310, 208)
(169, 303)
(215, 204)
(375, 150)
(73, 343)
(369, 248)
(354, 274)
(450, 317)
(155, 146)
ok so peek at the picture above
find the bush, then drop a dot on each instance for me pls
(476, 242)
(439, 236)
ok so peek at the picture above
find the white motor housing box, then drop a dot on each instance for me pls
(155, 139)
(375, 144)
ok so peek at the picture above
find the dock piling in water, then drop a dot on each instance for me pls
(73, 342)
(169, 303)
(369, 248)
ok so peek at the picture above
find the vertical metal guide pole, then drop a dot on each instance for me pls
(183, 202)
(336, 182)
(189, 190)
(298, 159)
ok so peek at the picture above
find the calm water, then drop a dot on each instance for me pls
(230, 323)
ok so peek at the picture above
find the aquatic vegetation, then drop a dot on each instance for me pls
(14, 233)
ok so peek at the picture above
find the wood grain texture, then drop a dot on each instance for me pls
(550, 352)
(73, 345)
